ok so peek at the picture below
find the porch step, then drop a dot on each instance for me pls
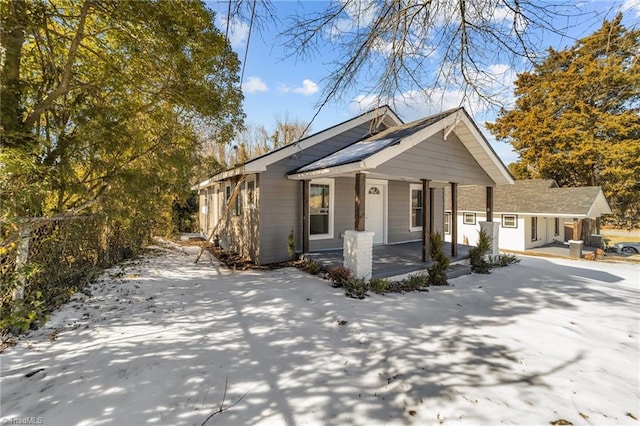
(457, 270)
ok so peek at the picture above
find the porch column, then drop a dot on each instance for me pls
(426, 220)
(598, 225)
(432, 202)
(358, 243)
(576, 229)
(305, 216)
(489, 203)
(454, 219)
(360, 202)
(490, 227)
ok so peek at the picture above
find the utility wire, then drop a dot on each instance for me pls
(246, 50)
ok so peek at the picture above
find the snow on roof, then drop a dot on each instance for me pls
(351, 154)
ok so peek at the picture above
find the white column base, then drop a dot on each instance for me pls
(358, 253)
(492, 230)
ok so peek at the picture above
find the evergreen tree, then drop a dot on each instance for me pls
(577, 118)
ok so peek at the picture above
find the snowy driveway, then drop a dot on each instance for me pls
(544, 340)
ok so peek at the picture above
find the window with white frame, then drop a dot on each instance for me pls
(509, 221)
(321, 209)
(469, 218)
(534, 228)
(556, 226)
(416, 207)
(447, 223)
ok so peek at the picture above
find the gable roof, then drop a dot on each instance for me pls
(367, 147)
(369, 153)
(535, 196)
(377, 116)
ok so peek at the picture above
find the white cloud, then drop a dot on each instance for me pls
(308, 88)
(283, 88)
(631, 6)
(254, 84)
(238, 31)
(363, 103)
(496, 79)
(359, 14)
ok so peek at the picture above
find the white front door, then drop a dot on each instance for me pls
(374, 212)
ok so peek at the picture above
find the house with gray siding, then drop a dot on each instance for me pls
(531, 213)
(372, 175)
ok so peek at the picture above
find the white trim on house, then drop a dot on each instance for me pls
(414, 187)
(546, 214)
(385, 219)
(332, 208)
(505, 216)
(471, 222)
(489, 154)
(447, 224)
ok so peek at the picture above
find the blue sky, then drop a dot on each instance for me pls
(278, 86)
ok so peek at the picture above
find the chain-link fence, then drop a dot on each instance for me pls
(43, 261)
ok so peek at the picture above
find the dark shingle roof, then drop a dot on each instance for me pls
(528, 196)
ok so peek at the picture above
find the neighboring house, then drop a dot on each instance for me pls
(531, 213)
(372, 173)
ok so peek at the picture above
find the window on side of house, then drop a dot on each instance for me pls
(321, 209)
(534, 228)
(227, 193)
(416, 207)
(238, 203)
(251, 193)
(509, 221)
(469, 218)
(556, 226)
(447, 223)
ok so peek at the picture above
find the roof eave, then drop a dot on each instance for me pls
(326, 172)
(486, 146)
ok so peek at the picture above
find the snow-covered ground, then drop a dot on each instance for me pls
(534, 343)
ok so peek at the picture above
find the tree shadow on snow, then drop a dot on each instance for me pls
(160, 346)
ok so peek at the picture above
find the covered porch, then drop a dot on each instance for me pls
(428, 156)
(389, 260)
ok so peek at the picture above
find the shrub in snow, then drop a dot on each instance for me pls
(379, 285)
(438, 271)
(356, 288)
(504, 260)
(339, 275)
(478, 255)
(312, 267)
(415, 282)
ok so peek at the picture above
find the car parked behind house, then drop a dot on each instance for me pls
(628, 247)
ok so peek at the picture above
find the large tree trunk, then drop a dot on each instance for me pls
(587, 227)
(12, 34)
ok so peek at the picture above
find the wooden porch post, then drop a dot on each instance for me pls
(426, 220)
(454, 219)
(432, 202)
(360, 202)
(305, 216)
(576, 229)
(598, 225)
(489, 203)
